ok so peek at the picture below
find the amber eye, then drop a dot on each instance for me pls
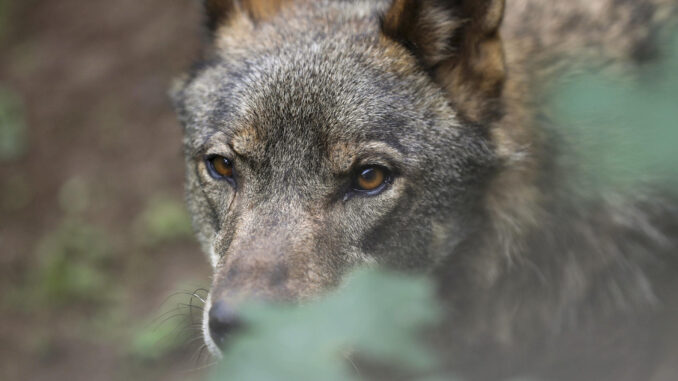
(370, 179)
(219, 167)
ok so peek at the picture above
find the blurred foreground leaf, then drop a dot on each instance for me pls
(377, 315)
(623, 130)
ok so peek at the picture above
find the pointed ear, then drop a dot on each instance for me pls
(458, 42)
(217, 12)
(220, 11)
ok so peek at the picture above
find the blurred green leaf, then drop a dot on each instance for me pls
(623, 130)
(377, 315)
(163, 220)
(13, 132)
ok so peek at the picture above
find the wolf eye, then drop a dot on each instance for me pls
(219, 167)
(371, 179)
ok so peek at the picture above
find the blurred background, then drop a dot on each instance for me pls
(97, 256)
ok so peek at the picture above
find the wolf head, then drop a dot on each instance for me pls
(322, 135)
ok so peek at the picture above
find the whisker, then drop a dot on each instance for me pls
(203, 367)
(197, 353)
(179, 315)
(192, 340)
(186, 330)
(354, 365)
(200, 298)
(203, 347)
(162, 315)
(180, 292)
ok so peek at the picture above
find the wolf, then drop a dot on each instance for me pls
(322, 135)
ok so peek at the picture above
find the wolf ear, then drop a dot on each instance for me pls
(219, 11)
(458, 42)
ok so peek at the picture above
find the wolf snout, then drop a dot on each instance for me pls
(223, 322)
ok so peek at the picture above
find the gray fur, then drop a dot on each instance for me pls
(537, 280)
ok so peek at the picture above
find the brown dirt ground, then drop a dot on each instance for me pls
(93, 77)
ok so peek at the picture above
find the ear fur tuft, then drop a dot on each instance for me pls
(423, 27)
(220, 11)
(458, 42)
(217, 12)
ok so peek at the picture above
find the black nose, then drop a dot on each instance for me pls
(223, 321)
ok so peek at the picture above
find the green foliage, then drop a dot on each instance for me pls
(163, 220)
(623, 130)
(13, 131)
(72, 265)
(377, 315)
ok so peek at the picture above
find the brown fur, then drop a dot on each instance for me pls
(220, 12)
(460, 46)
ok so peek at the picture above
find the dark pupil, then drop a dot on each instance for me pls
(369, 175)
(222, 166)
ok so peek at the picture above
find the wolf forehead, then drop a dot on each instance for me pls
(354, 85)
(322, 96)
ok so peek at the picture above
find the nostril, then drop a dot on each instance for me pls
(223, 321)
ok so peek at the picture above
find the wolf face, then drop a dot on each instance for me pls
(316, 140)
(324, 135)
